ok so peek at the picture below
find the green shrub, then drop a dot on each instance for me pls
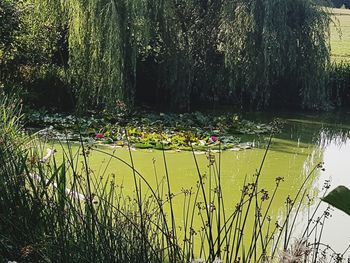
(32, 56)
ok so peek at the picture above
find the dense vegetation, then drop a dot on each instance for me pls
(60, 210)
(105, 58)
(172, 55)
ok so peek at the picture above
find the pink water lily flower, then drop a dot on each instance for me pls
(99, 135)
(213, 139)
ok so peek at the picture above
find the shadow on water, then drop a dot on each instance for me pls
(306, 130)
(290, 147)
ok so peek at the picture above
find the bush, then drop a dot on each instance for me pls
(31, 54)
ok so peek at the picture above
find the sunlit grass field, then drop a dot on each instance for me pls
(340, 35)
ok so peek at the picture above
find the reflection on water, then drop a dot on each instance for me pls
(336, 156)
(327, 137)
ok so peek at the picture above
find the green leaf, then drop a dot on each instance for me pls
(339, 198)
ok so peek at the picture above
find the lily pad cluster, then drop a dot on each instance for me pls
(153, 130)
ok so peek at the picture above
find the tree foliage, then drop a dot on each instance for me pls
(179, 54)
(339, 3)
(281, 51)
(28, 48)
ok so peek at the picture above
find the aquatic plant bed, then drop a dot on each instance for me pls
(152, 131)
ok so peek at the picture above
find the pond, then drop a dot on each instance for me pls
(305, 140)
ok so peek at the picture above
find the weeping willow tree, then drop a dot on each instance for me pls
(103, 39)
(103, 50)
(167, 54)
(184, 39)
(112, 42)
(254, 51)
(277, 51)
(180, 53)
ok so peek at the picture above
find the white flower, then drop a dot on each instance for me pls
(296, 253)
(198, 260)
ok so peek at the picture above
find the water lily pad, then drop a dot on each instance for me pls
(148, 130)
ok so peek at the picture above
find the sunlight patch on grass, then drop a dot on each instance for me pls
(340, 35)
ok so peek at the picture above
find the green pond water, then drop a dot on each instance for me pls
(304, 141)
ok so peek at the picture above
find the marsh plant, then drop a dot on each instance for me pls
(55, 210)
